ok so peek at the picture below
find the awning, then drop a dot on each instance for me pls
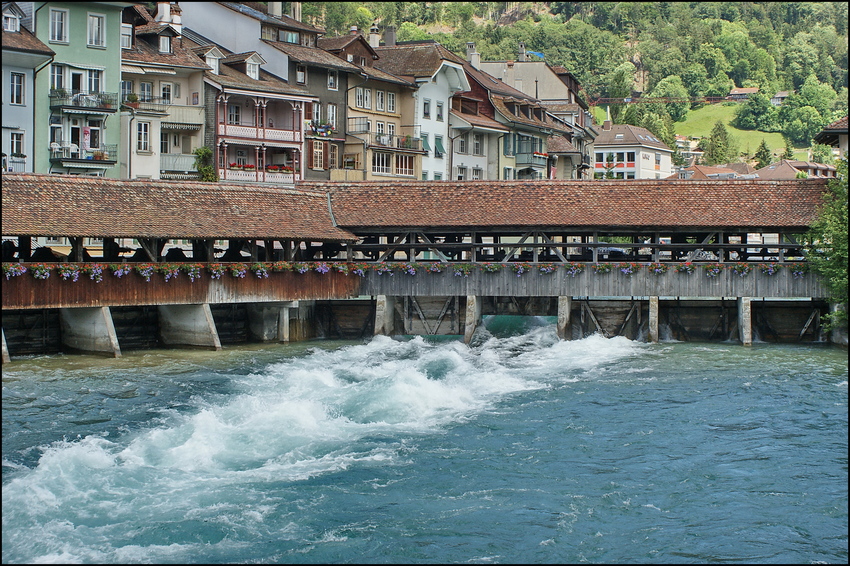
(438, 144)
(425, 145)
(158, 71)
(179, 126)
(132, 69)
(91, 164)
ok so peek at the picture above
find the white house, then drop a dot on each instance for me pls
(624, 151)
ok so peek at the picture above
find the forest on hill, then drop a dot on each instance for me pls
(658, 49)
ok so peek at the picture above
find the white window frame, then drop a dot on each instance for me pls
(333, 80)
(404, 165)
(143, 137)
(332, 114)
(95, 133)
(253, 70)
(381, 162)
(333, 155)
(367, 98)
(234, 114)
(318, 155)
(439, 111)
(300, 74)
(358, 97)
(57, 76)
(126, 36)
(462, 143)
(476, 174)
(213, 62)
(166, 92)
(16, 143)
(11, 22)
(461, 173)
(165, 44)
(96, 36)
(477, 144)
(426, 109)
(17, 82)
(391, 130)
(95, 80)
(390, 102)
(379, 100)
(146, 91)
(58, 25)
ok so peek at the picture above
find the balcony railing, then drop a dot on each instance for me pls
(394, 141)
(177, 162)
(106, 153)
(96, 101)
(254, 176)
(259, 133)
(533, 159)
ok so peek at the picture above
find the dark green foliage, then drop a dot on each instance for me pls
(757, 114)
(826, 244)
(763, 155)
(204, 164)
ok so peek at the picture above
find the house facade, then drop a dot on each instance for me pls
(624, 151)
(439, 76)
(23, 55)
(163, 116)
(835, 135)
(558, 91)
(78, 131)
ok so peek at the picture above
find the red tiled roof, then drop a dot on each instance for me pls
(95, 206)
(480, 121)
(663, 204)
(24, 40)
(840, 124)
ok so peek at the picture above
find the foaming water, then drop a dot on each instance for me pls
(519, 447)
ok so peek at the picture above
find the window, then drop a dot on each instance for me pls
(425, 145)
(426, 109)
(94, 128)
(165, 44)
(11, 22)
(438, 176)
(317, 111)
(379, 128)
(507, 173)
(363, 97)
(318, 155)
(440, 111)
(381, 162)
(253, 71)
(363, 61)
(17, 145)
(390, 102)
(461, 173)
(163, 143)
(477, 144)
(333, 156)
(166, 90)
(332, 109)
(59, 25)
(126, 88)
(351, 161)
(301, 74)
(461, 144)
(57, 76)
(287, 36)
(630, 156)
(145, 91)
(476, 174)
(621, 157)
(268, 32)
(509, 144)
(600, 158)
(143, 131)
(424, 175)
(438, 146)
(234, 113)
(95, 80)
(404, 165)
(332, 80)
(56, 134)
(212, 62)
(391, 129)
(367, 98)
(97, 35)
(630, 175)
(658, 159)
(379, 100)
(17, 84)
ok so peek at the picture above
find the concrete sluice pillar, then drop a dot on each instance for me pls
(88, 329)
(6, 357)
(273, 321)
(565, 306)
(188, 325)
(473, 317)
(745, 320)
(384, 315)
(653, 319)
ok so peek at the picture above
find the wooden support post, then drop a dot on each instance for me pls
(565, 306)
(745, 320)
(653, 319)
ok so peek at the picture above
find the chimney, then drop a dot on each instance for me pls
(472, 55)
(177, 18)
(163, 12)
(353, 30)
(275, 9)
(521, 55)
(606, 125)
(295, 9)
(389, 37)
(374, 36)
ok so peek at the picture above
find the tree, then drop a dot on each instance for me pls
(822, 154)
(826, 245)
(719, 148)
(789, 151)
(763, 155)
(756, 114)
(204, 165)
(672, 87)
(620, 82)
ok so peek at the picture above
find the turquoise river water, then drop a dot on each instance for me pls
(516, 448)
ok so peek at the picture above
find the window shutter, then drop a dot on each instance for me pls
(326, 154)
(308, 111)
(310, 154)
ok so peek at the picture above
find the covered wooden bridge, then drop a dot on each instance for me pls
(525, 247)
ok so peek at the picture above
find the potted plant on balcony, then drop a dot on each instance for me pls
(249, 167)
(236, 166)
(272, 168)
(132, 100)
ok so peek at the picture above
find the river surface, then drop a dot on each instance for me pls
(517, 448)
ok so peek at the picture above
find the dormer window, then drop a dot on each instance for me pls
(253, 70)
(165, 44)
(288, 36)
(213, 62)
(11, 22)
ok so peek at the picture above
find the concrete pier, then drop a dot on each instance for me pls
(473, 317)
(384, 315)
(188, 325)
(745, 320)
(653, 319)
(89, 329)
(565, 305)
